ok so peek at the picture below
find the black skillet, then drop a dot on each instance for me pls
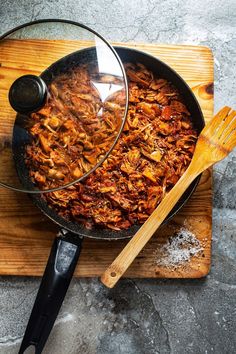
(66, 247)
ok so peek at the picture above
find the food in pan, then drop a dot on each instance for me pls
(75, 129)
(153, 151)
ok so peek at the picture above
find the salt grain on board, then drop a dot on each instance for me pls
(178, 249)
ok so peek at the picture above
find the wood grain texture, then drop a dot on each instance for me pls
(26, 235)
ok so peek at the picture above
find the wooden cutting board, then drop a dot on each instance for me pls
(26, 235)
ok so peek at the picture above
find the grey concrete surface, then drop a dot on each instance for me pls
(144, 316)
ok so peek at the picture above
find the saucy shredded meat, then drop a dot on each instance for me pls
(75, 129)
(154, 150)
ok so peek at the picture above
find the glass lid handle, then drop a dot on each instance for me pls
(27, 94)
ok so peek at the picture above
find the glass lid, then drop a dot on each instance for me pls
(64, 99)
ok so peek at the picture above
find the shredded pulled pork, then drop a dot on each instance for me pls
(152, 153)
(75, 129)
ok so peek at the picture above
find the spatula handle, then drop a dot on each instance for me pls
(139, 240)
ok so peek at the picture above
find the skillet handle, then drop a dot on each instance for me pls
(55, 282)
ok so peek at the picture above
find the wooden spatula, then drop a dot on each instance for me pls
(216, 141)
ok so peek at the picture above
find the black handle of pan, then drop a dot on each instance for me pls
(55, 282)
